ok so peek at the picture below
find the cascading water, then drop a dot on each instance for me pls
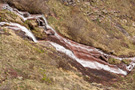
(16, 26)
(81, 53)
(89, 64)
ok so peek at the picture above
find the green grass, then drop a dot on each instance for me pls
(126, 61)
(114, 61)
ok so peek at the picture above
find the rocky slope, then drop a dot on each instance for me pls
(107, 25)
(57, 22)
(26, 65)
(29, 65)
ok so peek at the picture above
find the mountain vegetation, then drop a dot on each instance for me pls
(108, 25)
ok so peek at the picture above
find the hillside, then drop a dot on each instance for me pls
(106, 27)
(27, 65)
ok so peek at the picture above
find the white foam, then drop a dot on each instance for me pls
(131, 66)
(17, 26)
(89, 64)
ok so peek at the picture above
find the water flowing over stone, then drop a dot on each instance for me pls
(16, 26)
(89, 64)
(85, 55)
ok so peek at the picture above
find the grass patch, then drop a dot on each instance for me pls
(114, 61)
(41, 72)
(126, 61)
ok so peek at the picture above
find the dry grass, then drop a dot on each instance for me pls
(33, 66)
(102, 24)
(30, 66)
(106, 32)
(33, 6)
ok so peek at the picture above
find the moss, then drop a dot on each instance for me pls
(114, 61)
(31, 24)
(39, 33)
(39, 50)
(126, 61)
(8, 16)
(46, 79)
(27, 21)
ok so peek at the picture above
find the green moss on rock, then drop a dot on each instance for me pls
(39, 33)
(114, 61)
(126, 61)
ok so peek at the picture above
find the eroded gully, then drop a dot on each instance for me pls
(87, 56)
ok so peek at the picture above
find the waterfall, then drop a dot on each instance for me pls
(89, 64)
(16, 26)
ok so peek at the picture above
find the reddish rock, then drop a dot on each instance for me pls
(49, 32)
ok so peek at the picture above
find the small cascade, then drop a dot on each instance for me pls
(89, 64)
(85, 55)
(16, 26)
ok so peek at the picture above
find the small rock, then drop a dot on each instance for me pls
(105, 11)
(133, 24)
(93, 17)
(20, 77)
(26, 14)
(124, 21)
(50, 32)
(87, 3)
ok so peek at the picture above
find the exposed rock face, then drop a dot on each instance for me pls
(26, 14)
(49, 32)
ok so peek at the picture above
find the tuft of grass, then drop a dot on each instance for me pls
(39, 50)
(126, 61)
(114, 61)
(46, 79)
